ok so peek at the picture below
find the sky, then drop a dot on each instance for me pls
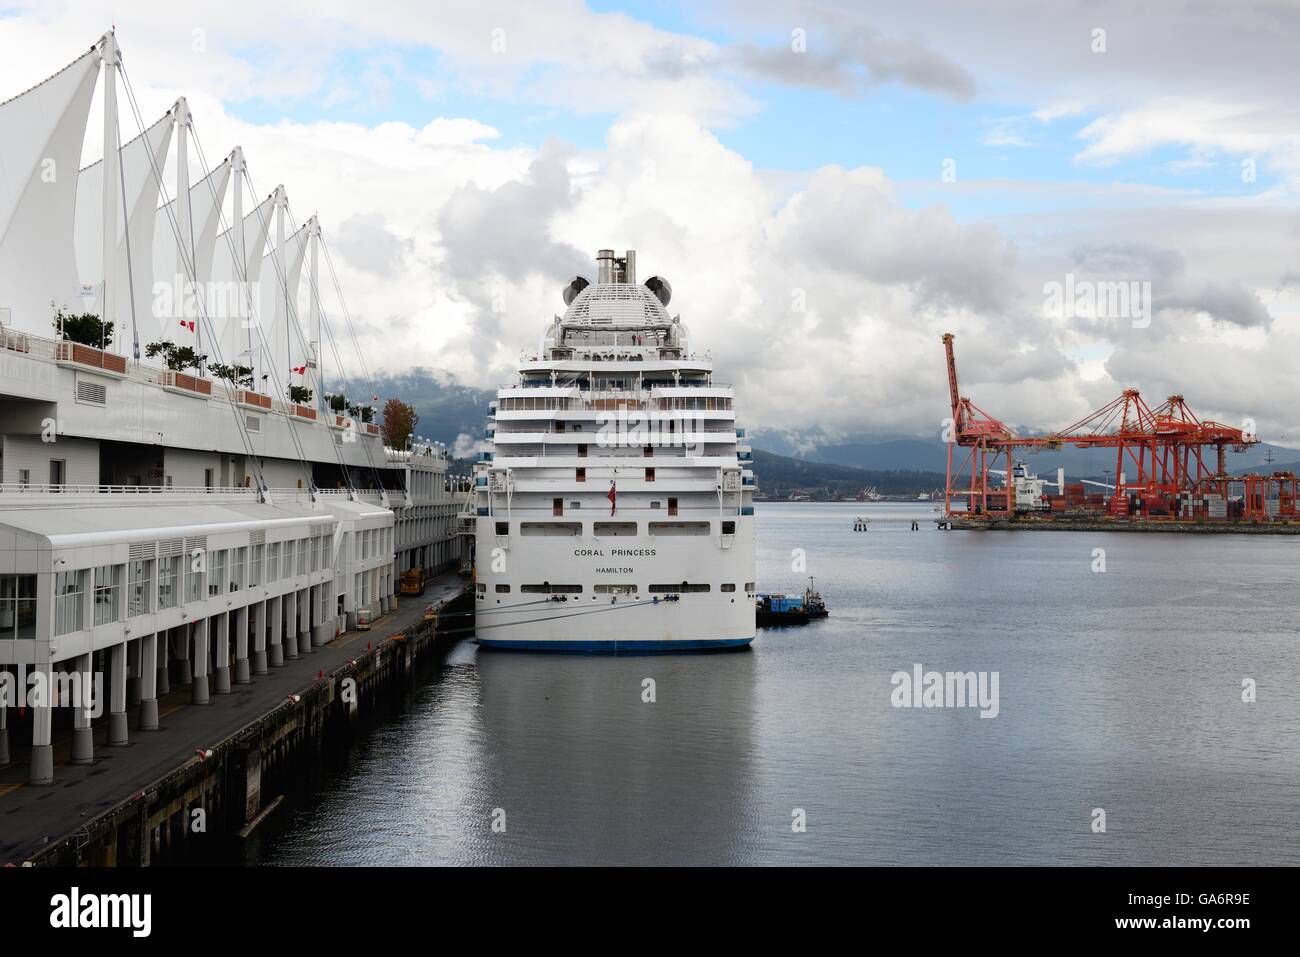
(1090, 196)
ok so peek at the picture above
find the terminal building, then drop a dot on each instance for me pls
(165, 524)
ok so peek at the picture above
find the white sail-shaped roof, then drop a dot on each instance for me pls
(240, 343)
(206, 199)
(41, 135)
(142, 162)
(282, 319)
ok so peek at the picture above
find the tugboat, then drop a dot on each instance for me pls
(773, 610)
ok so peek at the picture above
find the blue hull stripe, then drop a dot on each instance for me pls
(615, 647)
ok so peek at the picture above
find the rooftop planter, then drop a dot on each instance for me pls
(253, 399)
(88, 357)
(304, 412)
(184, 382)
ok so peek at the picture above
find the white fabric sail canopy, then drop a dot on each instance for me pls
(142, 162)
(281, 317)
(206, 199)
(239, 342)
(41, 136)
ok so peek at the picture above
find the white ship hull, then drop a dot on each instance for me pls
(599, 621)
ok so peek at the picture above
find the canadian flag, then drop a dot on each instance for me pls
(300, 370)
(613, 498)
(188, 324)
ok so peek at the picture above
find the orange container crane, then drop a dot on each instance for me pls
(1160, 453)
(985, 439)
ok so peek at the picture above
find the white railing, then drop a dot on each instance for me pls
(55, 350)
(14, 488)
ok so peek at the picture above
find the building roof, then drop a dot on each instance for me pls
(138, 521)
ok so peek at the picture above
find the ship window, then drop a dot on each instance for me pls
(749, 588)
(582, 451)
(678, 589)
(679, 528)
(481, 588)
(614, 528)
(503, 528)
(550, 528)
(503, 589)
(581, 475)
(649, 475)
(728, 528)
(656, 504)
(615, 589)
(546, 588)
(729, 586)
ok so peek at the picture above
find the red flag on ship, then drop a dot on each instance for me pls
(613, 498)
(188, 324)
(300, 370)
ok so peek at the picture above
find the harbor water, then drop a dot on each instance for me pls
(1122, 661)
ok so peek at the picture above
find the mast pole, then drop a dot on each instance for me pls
(184, 221)
(239, 170)
(108, 304)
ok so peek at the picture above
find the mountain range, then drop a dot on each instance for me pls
(454, 414)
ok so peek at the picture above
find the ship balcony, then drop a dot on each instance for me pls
(626, 484)
(624, 463)
(653, 434)
(600, 511)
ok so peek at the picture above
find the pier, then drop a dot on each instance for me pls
(231, 759)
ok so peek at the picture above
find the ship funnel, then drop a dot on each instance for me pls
(605, 266)
(616, 269)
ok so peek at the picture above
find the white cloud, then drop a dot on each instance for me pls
(430, 222)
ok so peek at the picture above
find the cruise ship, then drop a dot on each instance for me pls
(182, 503)
(613, 499)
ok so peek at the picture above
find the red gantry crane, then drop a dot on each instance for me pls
(1161, 466)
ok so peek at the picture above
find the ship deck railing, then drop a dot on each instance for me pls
(77, 355)
(14, 492)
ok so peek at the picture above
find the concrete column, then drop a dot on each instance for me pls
(117, 733)
(42, 766)
(185, 666)
(221, 639)
(243, 674)
(318, 637)
(259, 637)
(275, 620)
(163, 641)
(133, 659)
(199, 681)
(83, 740)
(290, 603)
(304, 620)
(149, 682)
(4, 733)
